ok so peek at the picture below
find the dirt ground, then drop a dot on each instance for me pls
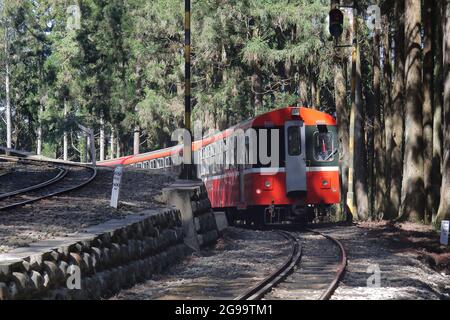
(421, 240)
(75, 210)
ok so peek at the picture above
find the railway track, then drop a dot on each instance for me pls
(61, 174)
(312, 271)
(70, 177)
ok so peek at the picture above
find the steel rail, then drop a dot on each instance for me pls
(261, 288)
(59, 192)
(5, 173)
(340, 270)
(61, 174)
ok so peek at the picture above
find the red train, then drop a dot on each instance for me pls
(305, 174)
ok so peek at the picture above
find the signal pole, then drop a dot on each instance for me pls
(336, 29)
(187, 173)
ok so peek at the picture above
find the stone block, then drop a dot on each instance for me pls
(75, 258)
(23, 283)
(63, 266)
(221, 221)
(37, 280)
(52, 255)
(3, 291)
(55, 274)
(96, 256)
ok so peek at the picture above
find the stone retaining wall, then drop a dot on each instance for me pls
(204, 220)
(108, 257)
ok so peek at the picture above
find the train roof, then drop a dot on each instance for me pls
(279, 116)
(269, 119)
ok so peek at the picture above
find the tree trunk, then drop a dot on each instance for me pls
(313, 93)
(65, 135)
(387, 100)
(343, 116)
(7, 97)
(102, 138)
(438, 103)
(379, 156)
(413, 200)
(117, 146)
(136, 139)
(88, 148)
(39, 130)
(444, 205)
(398, 111)
(138, 93)
(85, 148)
(303, 89)
(257, 90)
(91, 143)
(428, 69)
(362, 200)
(112, 143)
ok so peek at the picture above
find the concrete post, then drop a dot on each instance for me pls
(179, 195)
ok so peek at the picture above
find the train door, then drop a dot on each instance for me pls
(295, 153)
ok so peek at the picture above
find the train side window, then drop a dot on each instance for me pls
(168, 161)
(139, 165)
(294, 141)
(323, 146)
(152, 164)
(146, 164)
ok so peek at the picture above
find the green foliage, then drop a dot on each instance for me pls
(126, 64)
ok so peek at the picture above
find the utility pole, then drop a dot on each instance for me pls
(187, 172)
(336, 29)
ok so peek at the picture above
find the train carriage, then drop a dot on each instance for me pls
(304, 175)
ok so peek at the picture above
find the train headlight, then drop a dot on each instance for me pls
(258, 191)
(326, 184)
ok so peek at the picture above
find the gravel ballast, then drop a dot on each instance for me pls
(239, 260)
(245, 256)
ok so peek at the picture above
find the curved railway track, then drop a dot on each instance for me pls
(313, 269)
(61, 174)
(70, 177)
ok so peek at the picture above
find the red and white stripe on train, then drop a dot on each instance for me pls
(307, 175)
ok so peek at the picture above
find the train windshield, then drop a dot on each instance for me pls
(323, 146)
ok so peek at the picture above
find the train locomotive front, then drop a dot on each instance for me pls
(305, 177)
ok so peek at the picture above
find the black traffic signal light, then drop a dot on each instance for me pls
(336, 23)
